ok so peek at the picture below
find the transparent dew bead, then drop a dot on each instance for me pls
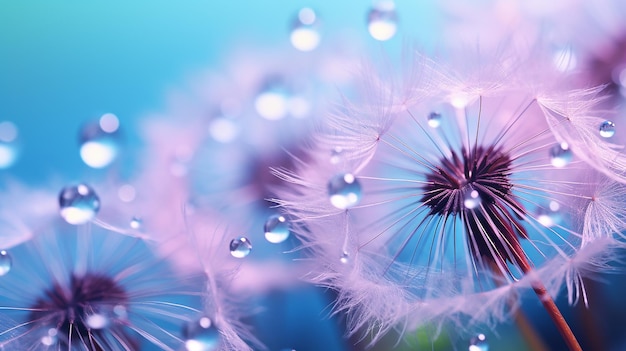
(6, 263)
(136, 223)
(240, 247)
(272, 101)
(561, 155)
(201, 335)
(382, 20)
(471, 199)
(344, 191)
(78, 204)
(99, 141)
(607, 129)
(336, 155)
(344, 258)
(550, 215)
(305, 35)
(50, 337)
(8, 144)
(478, 343)
(434, 119)
(276, 229)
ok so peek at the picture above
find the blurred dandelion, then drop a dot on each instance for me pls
(457, 191)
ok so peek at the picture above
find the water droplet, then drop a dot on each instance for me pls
(223, 129)
(478, 343)
(50, 337)
(471, 199)
(335, 155)
(240, 247)
(8, 144)
(6, 263)
(607, 129)
(99, 141)
(97, 321)
(78, 203)
(549, 216)
(201, 335)
(304, 32)
(560, 155)
(345, 257)
(272, 102)
(434, 119)
(382, 20)
(276, 229)
(344, 191)
(136, 223)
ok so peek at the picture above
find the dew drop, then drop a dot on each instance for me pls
(382, 20)
(8, 144)
(78, 203)
(6, 263)
(240, 247)
(272, 102)
(276, 229)
(136, 223)
(99, 141)
(344, 191)
(560, 155)
(201, 335)
(549, 216)
(471, 199)
(97, 321)
(478, 343)
(434, 119)
(50, 337)
(345, 257)
(335, 155)
(607, 129)
(304, 31)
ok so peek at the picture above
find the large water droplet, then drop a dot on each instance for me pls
(304, 32)
(276, 229)
(478, 343)
(78, 203)
(560, 155)
(382, 20)
(99, 141)
(8, 144)
(607, 129)
(240, 247)
(471, 199)
(434, 119)
(201, 335)
(50, 337)
(6, 263)
(344, 191)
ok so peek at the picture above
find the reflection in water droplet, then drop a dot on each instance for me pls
(478, 343)
(560, 155)
(240, 247)
(434, 119)
(345, 257)
(382, 20)
(471, 199)
(344, 191)
(607, 129)
(550, 216)
(201, 335)
(6, 263)
(304, 32)
(276, 229)
(78, 204)
(99, 141)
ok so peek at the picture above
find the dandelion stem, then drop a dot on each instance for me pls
(548, 303)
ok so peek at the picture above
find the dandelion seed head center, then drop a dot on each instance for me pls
(71, 308)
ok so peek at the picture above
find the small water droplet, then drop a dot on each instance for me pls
(240, 247)
(99, 141)
(344, 191)
(345, 257)
(50, 337)
(136, 223)
(304, 31)
(471, 199)
(549, 216)
(335, 155)
(78, 204)
(97, 321)
(6, 262)
(560, 155)
(478, 343)
(607, 129)
(276, 229)
(201, 335)
(382, 20)
(8, 144)
(434, 119)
